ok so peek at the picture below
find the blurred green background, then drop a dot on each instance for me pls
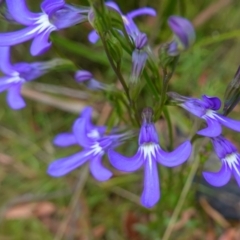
(35, 206)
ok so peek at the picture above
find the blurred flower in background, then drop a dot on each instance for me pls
(95, 144)
(55, 15)
(230, 159)
(184, 35)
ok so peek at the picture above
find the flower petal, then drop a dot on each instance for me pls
(142, 11)
(14, 97)
(151, 191)
(194, 106)
(213, 102)
(13, 38)
(31, 71)
(126, 164)
(93, 37)
(98, 170)
(236, 174)
(114, 6)
(65, 165)
(80, 132)
(67, 16)
(213, 128)
(223, 147)
(148, 133)
(92, 131)
(218, 179)
(5, 83)
(183, 29)
(228, 122)
(176, 157)
(5, 63)
(40, 43)
(19, 11)
(49, 6)
(87, 113)
(64, 140)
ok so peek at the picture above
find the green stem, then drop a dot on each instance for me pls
(117, 70)
(170, 129)
(164, 85)
(119, 38)
(151, 85)
(132, 103)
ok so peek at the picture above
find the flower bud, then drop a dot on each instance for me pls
(83, 75)
(139, 59)
(141, 41)
(167, 60)
(184, 34)
(87, 78)
(114, 47)
(147, 115)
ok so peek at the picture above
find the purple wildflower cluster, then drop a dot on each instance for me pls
(15, 75)
(206, 109)
(55, 15)
(96, 142)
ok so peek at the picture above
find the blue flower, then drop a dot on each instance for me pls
(129, 24)
(230, 159)
(184, 35)
(56, 15)
(149, 153)
(94, 143)
(206, 108)
(16, 75)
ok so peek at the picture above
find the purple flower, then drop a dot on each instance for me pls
(56, 15)
(206, 108)
(130, 26)
(230, 159)
(91, 83)
(94, 142)
(184, 34)
(149, 153)
(16, 75)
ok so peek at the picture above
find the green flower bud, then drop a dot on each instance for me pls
(114, 47)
